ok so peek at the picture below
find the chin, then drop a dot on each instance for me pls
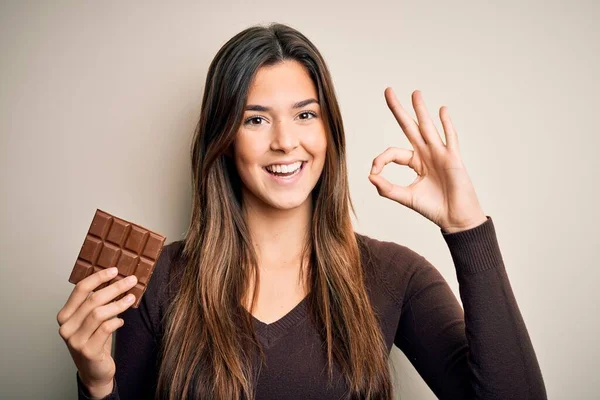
(275, 199)
(286, 203)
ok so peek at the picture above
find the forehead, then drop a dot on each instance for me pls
(281, 84)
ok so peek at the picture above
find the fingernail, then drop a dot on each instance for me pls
(131, 279)
(129, 298)
(374, 169)
(113, 271)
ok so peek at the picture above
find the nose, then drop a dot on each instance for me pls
(285, 137)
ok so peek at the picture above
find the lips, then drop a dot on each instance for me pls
(287, 180)
(278, 168)
(284, 162)
(266, 168)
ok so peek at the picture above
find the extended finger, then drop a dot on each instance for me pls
(94, 300)
(99, 315)
(94, 347)
(426, 125)
(406, 122)
(449, 131)
(81, 292)
(392, 154)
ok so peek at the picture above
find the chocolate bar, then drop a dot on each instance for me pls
(114, 242)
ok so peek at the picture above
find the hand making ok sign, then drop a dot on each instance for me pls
(442, 192)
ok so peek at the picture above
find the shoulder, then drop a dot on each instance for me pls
(167, 263)
(169, 268)
(384, 251)
(389, 265)
(157, 294)
(172, 254)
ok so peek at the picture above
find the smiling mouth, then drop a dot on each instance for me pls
(286, 174)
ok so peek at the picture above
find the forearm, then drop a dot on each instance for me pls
(501, 355)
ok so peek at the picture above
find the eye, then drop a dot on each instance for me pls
(307, 115)
(254, 120)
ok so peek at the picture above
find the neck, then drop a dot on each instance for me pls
(278, 235)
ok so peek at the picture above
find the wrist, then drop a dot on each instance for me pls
(473, 224)
(97, 391)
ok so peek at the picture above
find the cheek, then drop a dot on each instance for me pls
(316, 143)
(246, 150)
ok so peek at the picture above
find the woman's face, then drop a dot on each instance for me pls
(279, 149)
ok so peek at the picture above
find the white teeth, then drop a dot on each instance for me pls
(285, 168)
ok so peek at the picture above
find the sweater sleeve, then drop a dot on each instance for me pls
(137, 341)
(483, 352)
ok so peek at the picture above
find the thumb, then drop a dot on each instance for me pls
(393, 192)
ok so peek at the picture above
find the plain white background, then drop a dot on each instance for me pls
(98, 102)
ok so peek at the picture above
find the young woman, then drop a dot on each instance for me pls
(272, 295)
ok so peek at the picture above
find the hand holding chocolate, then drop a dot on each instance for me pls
(111, 274)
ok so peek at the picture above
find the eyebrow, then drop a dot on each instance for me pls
(300, 104)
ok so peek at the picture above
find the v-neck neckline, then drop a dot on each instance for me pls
(269, 333)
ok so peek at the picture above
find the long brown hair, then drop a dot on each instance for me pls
(210, 349)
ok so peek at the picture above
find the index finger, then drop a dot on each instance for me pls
(82, 290)
(406, 122)
(392, 154)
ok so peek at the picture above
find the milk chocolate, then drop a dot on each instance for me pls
(114, 242)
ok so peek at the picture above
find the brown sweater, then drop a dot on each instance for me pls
(483, 352)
